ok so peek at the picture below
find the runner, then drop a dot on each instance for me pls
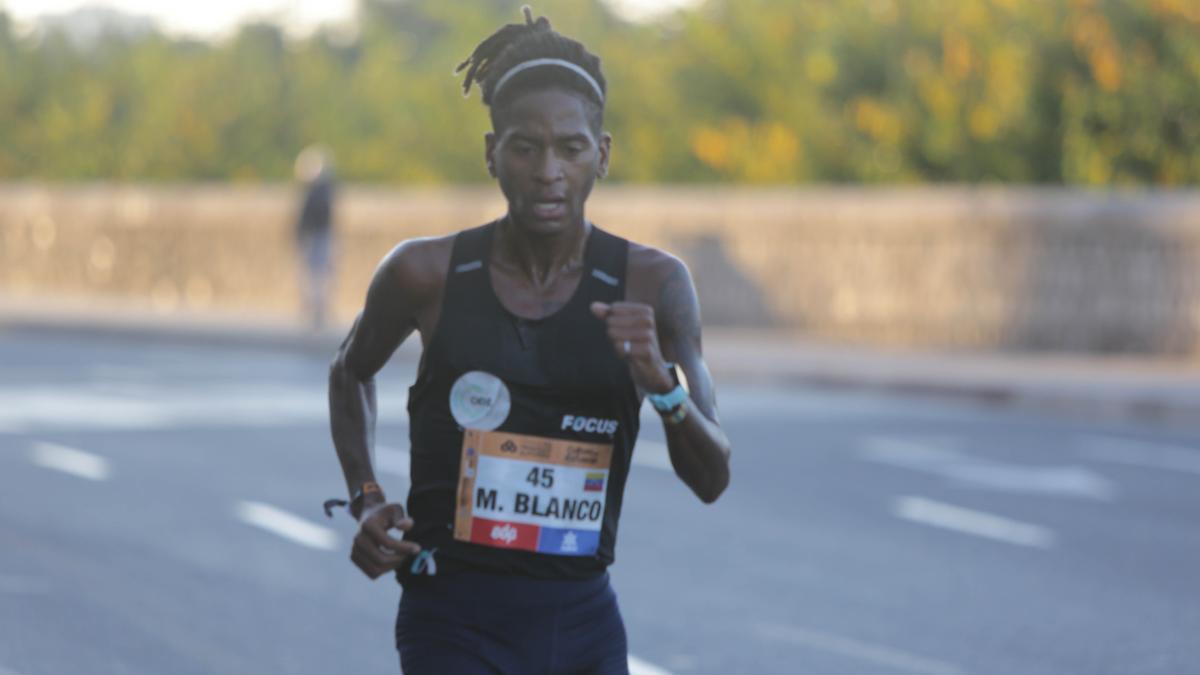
(541, 334)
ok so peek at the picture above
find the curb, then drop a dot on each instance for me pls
(1150, 390)
(1146, 390)
(1148, 408)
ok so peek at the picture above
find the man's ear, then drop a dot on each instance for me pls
(489, 152)
(605, 154)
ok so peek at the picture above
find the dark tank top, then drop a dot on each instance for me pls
(567, 390)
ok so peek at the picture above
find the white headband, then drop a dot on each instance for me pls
(534, 63)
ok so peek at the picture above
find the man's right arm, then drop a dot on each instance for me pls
(406, 280)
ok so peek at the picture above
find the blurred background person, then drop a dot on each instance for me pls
(314, 232)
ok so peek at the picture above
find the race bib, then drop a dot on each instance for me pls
(531, 493)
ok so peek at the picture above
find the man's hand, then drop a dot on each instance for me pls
(634, 336)
(375, 551)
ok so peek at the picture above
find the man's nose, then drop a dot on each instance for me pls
(549, 167)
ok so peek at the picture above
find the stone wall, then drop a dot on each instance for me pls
(990, 268)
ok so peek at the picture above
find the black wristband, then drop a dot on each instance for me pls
(360, 495)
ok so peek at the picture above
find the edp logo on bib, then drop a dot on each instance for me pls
(479, 400)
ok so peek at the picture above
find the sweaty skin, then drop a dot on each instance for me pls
(546, 159)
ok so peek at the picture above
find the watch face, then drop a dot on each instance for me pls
(676, 374)
(678, 377)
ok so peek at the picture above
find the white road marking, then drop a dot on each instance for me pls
(652, 454)
(1142, 453)
(939, 456)
(856, 649)
(287, 525)
(640, 667)
(151, 407)
(20, 585)
(69, 460)
(978, 523)
(392, 460)
(73, 408)
(1062, 481)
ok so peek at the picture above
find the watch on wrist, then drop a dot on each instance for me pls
(676, 416)
(667, 403)
(360, 495)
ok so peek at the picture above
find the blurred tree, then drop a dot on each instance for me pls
(1092, 92)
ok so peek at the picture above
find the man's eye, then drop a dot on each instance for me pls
(522, 148)
(574, 149)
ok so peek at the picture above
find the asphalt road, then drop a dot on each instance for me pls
(160, 513)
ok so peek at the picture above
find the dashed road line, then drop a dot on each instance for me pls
(978, 523)
(640, 667)
(287, 525)
(942, 457)
(69, 460)
(148, 406)
(1141, 453)
(887, 657)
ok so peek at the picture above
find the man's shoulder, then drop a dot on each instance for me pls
(649, 270)
(422, 255)
(418, 266)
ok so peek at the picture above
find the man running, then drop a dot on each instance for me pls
(541, 334)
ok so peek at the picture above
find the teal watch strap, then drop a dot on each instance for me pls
(667, 402)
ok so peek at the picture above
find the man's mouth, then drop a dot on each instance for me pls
(550, 209)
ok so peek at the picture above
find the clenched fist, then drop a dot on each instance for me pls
(634, 336)
(375, 550)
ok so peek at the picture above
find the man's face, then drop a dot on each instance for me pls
(546, 157)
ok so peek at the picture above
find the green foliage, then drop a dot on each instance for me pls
(1093, 92)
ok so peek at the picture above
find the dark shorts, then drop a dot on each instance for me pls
(474, 623)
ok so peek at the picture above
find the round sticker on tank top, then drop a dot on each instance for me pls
(479, 400)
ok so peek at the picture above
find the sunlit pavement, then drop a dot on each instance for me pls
(160, 513)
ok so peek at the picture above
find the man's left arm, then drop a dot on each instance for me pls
(670, 331)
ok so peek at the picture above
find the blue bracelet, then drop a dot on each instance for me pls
(667, 402)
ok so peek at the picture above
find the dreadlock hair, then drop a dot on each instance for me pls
(516, 43)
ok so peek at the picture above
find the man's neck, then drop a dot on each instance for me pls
(541, 258)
